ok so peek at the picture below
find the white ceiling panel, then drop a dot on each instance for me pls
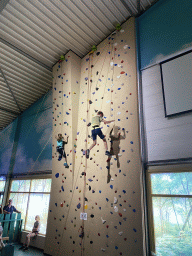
(35, 33)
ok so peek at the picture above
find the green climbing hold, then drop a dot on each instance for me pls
(118, 27)
(94, 48)
(62, 57)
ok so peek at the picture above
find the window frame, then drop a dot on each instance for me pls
(39, 177)
(174, 168)
(3, 192)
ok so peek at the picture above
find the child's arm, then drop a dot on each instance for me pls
(64, 141)
(108, 122)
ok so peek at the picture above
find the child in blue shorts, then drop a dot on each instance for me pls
(96, 120)
(60, 148)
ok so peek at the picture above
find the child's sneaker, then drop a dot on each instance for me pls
(22, 247)
(107, 153)
(66, 165)
(87, 153)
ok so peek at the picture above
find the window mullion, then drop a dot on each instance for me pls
(27, 205)
(168, 195)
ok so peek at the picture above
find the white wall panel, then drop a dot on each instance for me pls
(166, 138)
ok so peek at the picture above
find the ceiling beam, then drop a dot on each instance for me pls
(127, 7)
(3, 3)
(9, 111)
(138, 6)
(25, 54)
(6, 82)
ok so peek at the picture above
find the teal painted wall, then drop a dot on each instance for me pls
(165, 29)
(34, 143)
(6, 145)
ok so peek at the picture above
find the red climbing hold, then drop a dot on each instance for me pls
(122, 72)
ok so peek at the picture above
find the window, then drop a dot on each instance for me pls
(31, 197)
(2, 187)
(171, 213)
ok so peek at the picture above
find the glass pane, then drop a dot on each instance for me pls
(2, 186)
(172, 226)
(20, 186)
(42, 201)
(172, 183)
(20, 203)
(41, 185)
(1, 199)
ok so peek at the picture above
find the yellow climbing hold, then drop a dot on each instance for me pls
(85, 207)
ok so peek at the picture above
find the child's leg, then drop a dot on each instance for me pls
(106, 148)
(93, 145)
(60, 150)
(88, 150)
(65, 159)
(105, 144)
(28, 238)
(94, 136)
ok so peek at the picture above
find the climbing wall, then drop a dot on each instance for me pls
(97, 207)
(66, 84)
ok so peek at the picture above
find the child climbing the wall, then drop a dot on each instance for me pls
(60, 148)
(96, 120)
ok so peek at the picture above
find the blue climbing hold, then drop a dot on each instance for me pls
(57, 175)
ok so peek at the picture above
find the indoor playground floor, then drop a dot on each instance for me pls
(32, 251)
